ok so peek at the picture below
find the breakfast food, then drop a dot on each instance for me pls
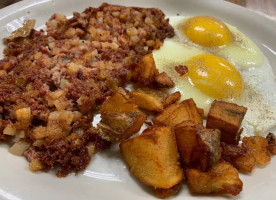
(53, 83)
(210, 60)
(211, 65)
(153, 157)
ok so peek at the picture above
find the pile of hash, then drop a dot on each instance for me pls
(52, 82)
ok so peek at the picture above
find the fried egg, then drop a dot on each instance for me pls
(223, 64)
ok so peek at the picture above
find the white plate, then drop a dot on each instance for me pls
(106, 177)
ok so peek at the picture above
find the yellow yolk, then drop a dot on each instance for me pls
(214, 76)
(207, 31)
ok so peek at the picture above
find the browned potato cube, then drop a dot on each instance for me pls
(120, 118)
(198, 147)
(226, 117)
(222, 178)
(162, 80)
(153, 157)
(271, 143)
(172, 98)
(208, 151)
(245, 162)
(59, 124)
(238, 156)
(145, 72)
(177, 113)
(166, 193)
(187, 140)
(257, 146)
(35, 165)
(149, 99)
(24, 117)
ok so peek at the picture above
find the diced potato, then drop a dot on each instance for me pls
(245, 162)
(35, 165)
(9, 130)
(200, 111)
(153, 157)
(23, 114)
(57, 94)
(72, 68)
(208, 151)
(166, 193)
(77, 116)
(271, 143)
(61, 104)
(238, 156)
(226, 117)
(198, 147)
(19, 148)
(172, 98)
(91, 148)
(59, 123)
(177, 113)
(187, 140)
(121, 118)
(40, 132)
(222, 178)
(38, 143)
(85, 104)
(257, 145)
(149, 99)
(125, 93)
(112, 103)
(52, 96)
(66, 116)
(145, 72)
(162, 80)
(3, 72)
(20, 134)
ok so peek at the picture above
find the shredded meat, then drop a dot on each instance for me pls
(63, 74)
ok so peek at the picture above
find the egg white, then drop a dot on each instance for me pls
(241, 52)
(259, 94)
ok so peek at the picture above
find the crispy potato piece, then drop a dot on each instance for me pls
(226, 117)
(238, 156)
(222, 178)
(145, 72)
(24, 117)
(257, 145)
(166, 193)
(208, 151)
(120, 118)
(35, 165)
(198, 147)
(59, 124)
(271, 143)
(124, 92)
(186, 139)
(200, 111)
(153, 157)
(245, 162)
(149, 99)
(172, 98)
(162, 80)
(177, 113)
(118, 104)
